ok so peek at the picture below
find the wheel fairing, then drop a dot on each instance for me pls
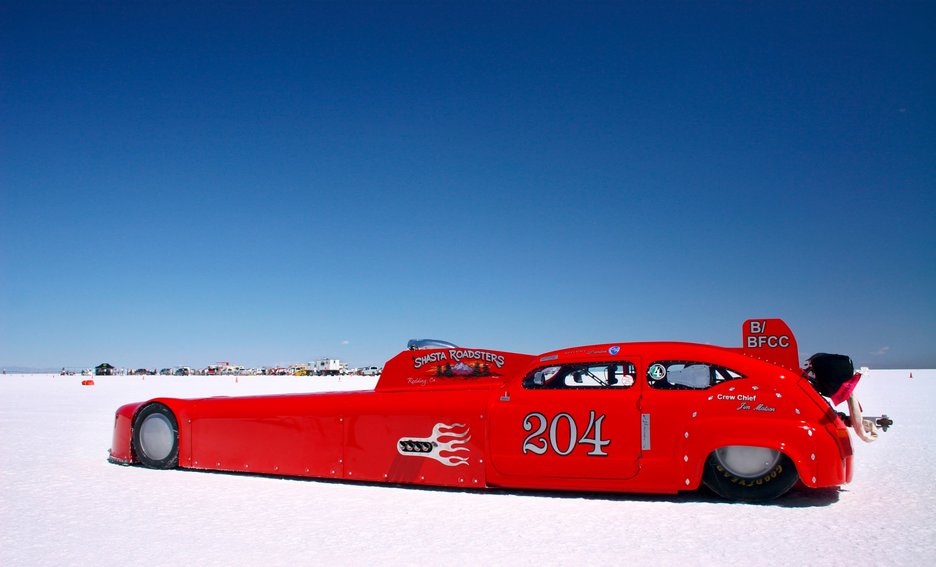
(748, 462)
(157, 437)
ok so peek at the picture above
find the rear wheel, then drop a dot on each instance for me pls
(156, 437)
(740, 472)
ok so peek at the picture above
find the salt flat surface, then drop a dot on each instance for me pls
(62, 503)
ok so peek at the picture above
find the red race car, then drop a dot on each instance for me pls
(654, 417)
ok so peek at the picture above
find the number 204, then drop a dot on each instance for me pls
(539, 442)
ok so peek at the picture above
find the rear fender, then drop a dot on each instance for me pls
(795, 440)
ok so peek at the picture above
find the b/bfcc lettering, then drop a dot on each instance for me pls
(758, 340)
(772, 341)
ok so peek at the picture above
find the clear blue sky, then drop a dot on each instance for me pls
(275, 182)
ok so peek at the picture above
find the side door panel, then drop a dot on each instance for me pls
(566, 432)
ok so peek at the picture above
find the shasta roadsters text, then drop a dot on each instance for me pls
(458, 356)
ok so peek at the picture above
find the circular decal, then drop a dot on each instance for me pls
(657, 372)
(614, 350)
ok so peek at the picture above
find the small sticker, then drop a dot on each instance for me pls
(614, 350)
(657, 372)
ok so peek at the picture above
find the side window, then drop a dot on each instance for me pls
(542, 377)
(617, 374)
(687, 375)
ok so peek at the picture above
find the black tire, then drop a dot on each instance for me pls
(750, 474)
(156, 437)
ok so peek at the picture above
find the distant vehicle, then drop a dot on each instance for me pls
(328, 367)
(165, 372)
(183, 371)
(370, 371)
(652, 417)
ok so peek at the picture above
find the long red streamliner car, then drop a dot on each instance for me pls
(653, 417)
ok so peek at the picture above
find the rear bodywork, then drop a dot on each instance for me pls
(482, 418)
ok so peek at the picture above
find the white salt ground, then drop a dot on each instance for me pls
(62, 503)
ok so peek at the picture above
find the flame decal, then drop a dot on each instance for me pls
(457, 436)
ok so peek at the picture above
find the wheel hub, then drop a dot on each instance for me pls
(747, 462)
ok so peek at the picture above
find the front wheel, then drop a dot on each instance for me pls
(156, 437)
(740, 472)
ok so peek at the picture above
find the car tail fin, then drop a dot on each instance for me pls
(770, 340)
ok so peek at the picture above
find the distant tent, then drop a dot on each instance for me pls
(104, 370)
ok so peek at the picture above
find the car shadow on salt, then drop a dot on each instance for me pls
(798, 497)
